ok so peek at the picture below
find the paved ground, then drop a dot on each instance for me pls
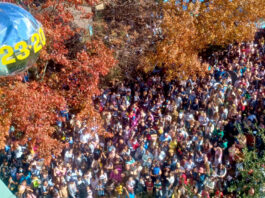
(78, 20)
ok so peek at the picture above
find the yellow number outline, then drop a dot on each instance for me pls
(9, 54)
(42, 37)
(24, 50)
(35, 39)
(22, 46)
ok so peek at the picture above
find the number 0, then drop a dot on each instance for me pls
(7, 58)
(42, 37)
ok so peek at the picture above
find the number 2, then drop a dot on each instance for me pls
(36, 40)
(7, 58)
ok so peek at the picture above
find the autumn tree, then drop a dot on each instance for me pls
(191, 26)
(32, 109)
(129, 27)
(66, 76)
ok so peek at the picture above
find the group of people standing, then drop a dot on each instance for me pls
(170, 139)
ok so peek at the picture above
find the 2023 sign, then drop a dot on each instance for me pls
(22, 49)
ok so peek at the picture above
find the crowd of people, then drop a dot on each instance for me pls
(170, 139)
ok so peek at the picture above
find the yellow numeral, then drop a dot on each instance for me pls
(36, 40)
(22, 47)
(42, 37)
(7, 58)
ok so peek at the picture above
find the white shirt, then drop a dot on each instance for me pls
(178, 101)
(87, 178)
(252, 117)
(162, 155)
(84, 138)
(189, 166)
(89, 194)
(171, 179)
(94, 183)
(103, 177)
(19, 152)
(68, 156)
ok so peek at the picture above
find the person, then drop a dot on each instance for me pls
(89, 192)
(103, 176)
(12, 185)
(130, 184)
(155, 172)
(170, 181)
(115, 175)
(149, 186)
(158, 188)
(63, 192)
(218, 156)
(22, 189)
(140, 187)
(30, 194)
(81, 187)
(139, 152)
(45, 189)
(175, 132)
(221, 171)
(119, 190)
(100, 188)
(210, 183)
(72, 189)
(129, 194)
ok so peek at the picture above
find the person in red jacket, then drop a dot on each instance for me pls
(183, 179)
(149, 186)
(218, 194)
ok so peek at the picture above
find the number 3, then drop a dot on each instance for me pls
(24, 50)
(7, 58)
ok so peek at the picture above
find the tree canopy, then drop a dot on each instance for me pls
(65, 77)
(190, 27)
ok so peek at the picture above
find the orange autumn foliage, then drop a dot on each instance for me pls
(66, 77)
(186, 32)
(32, 109)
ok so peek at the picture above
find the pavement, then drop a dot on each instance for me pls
(78, 20)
